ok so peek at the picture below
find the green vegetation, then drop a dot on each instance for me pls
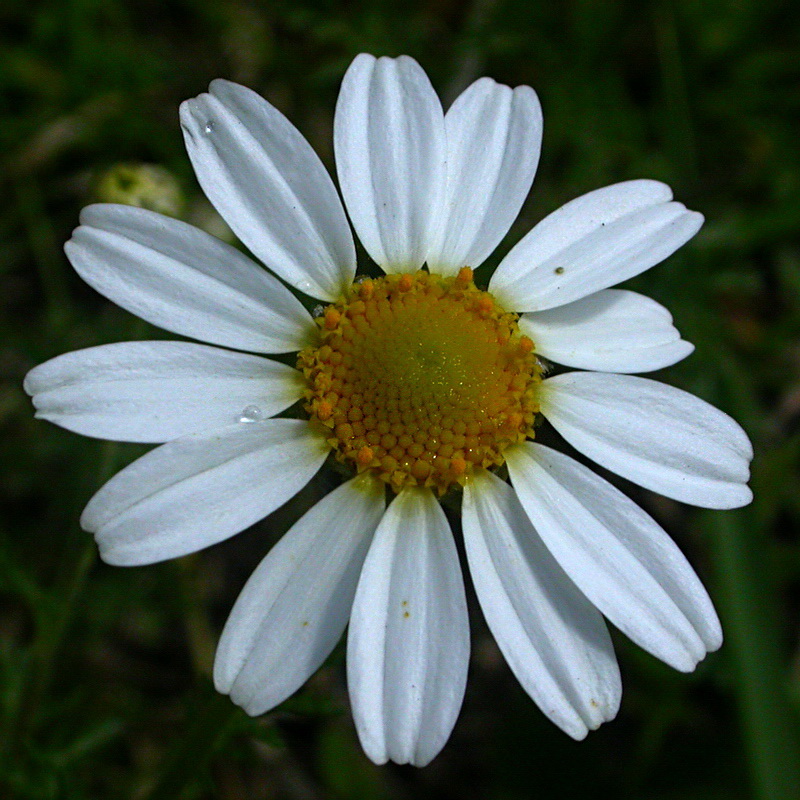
(104, 672)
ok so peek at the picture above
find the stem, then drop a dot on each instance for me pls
(770, 732)
(679, 133)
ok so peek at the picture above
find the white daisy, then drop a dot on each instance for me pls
(421, 383)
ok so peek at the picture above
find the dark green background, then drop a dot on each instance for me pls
(104, 687)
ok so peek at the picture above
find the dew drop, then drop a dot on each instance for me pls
(209, 126)
(250, 414)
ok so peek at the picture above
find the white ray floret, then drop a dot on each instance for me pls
(158, 391)
(554, 640)
(655, 435)
(408, 644)
(593, 242)
(269, 185)
(185, 281)
(196, 491)
(617, 555)
(613, 330)
(390, 157)
(494, 137)
(295, 606)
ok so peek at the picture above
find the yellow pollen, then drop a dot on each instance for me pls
(324, 410)
(486, 305)
(364, 456)
(421, 379)
(366, 289)
(464, 277)
(458, 466)
(332, 317)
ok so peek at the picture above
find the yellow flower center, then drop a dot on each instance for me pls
(420, 379)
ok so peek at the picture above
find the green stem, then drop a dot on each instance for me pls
(769, 731)
(679, 132)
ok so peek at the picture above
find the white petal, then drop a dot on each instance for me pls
(185, 281)
(616, 555)
(296, 604)
(408, 645)
(553, 638)
(494, 137)
(158, 391)
(591, 243)
(269, 185)
(655, 435)
(609, 331)
(390, 157)
(196, 491)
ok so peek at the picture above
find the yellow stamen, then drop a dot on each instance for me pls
(458, 466)
(464, 277)
(364, 456)
(332, 317)
(365, 289)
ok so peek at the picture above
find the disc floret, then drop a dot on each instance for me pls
(420, 379)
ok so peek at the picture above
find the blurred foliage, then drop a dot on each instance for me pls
(104, 673)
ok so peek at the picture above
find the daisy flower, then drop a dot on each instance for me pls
(420, 383)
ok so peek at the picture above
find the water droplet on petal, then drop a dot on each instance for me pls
(209, 126)
(250, 414)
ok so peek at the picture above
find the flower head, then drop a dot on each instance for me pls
(421, 383)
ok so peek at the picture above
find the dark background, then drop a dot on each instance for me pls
(104, 672)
